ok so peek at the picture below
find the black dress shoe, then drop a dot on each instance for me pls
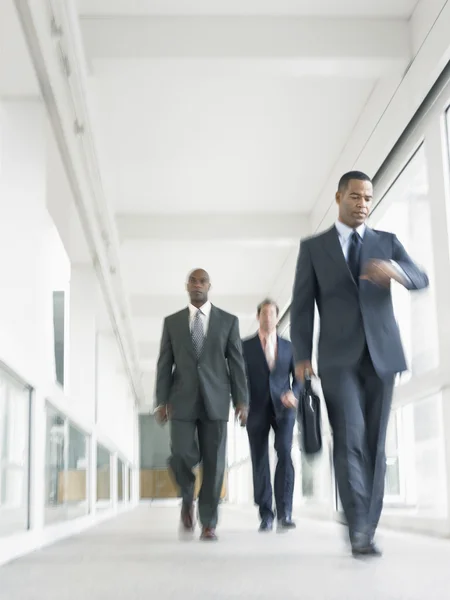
(187, 517)
(369, 549)
(266, 524)
(375, 550)
(286, 524)
(208, 534)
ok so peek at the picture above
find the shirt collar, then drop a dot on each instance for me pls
(263, 336)
(205, 309)
(345, 231)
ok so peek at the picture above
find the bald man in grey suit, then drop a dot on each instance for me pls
(200, 367)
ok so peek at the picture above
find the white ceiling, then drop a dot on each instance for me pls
(220, 144)
(17, 77)
(328, 8)
(216, 136)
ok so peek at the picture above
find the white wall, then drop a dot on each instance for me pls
(81, 384)
(116, 412)
(25, 320)
(33, 264)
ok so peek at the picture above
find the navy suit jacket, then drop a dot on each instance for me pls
(264, 384)
(350, 317)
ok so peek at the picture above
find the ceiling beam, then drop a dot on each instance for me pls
(152, 306)
(271, 228)
(300, 40)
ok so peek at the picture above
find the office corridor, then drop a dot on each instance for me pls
(139, 556)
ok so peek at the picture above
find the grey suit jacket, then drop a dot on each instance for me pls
(219, 372)
(349, 317)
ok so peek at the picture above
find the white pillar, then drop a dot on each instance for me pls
(136, 467)
(23, 222)
(81, 385)
(92, 473)
(25, 304)
(436, 154)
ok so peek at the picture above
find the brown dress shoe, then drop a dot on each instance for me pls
(187, 517)
(208, 534)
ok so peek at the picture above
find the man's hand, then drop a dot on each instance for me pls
(289, 400)
(162, 414)
(301, 368)
(380, 272)
(241, 414)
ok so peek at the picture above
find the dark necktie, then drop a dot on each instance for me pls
(354, 255)
(197, 333)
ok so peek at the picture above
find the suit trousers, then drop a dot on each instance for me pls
(260, 421)
(199, 441)
(359, 403)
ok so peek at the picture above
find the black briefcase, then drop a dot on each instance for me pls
(309, 419)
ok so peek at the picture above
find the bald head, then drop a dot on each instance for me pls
(198, 285)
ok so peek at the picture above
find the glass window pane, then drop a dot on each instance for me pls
(66, 470)
(14, 449)
(422, 457)
(103, 477)
(58, 334)
(408, 215)
(120, 480)
(130, 483)
(392, 486)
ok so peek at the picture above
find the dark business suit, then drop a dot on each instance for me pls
(198, 391)
(359, 353)
(266, 387)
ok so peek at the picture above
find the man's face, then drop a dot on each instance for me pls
(268, 318)
(198, 287)
(355, 203)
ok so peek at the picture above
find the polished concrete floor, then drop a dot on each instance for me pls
(140, 556)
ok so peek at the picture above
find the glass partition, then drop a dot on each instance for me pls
(103, 477)
(393, 483)
(66, 469)
(130, 483)
(406, 211)
(14, 455)
(120, 480)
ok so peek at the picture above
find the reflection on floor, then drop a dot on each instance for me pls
(139, 556)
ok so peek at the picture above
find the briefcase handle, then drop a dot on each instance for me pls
(308, 380)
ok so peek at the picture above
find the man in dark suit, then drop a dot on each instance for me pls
(273, 394)
(200, 367)
(347, 271)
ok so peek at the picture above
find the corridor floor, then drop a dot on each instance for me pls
(138, 556)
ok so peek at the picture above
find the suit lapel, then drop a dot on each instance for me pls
(278, 353)
(185, 331)
(334, 249)
(259, 352)
(213, 327)
(370, 247)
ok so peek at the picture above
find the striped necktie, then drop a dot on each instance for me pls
(197, 333)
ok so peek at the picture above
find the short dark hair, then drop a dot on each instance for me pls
(268, 302)
(344, 180)
(192, 271)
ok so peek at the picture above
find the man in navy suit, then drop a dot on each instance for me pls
(273, 398)
(347, 271)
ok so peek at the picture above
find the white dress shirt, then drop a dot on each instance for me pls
(344, 233)
(204, 315)
(269, 344)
